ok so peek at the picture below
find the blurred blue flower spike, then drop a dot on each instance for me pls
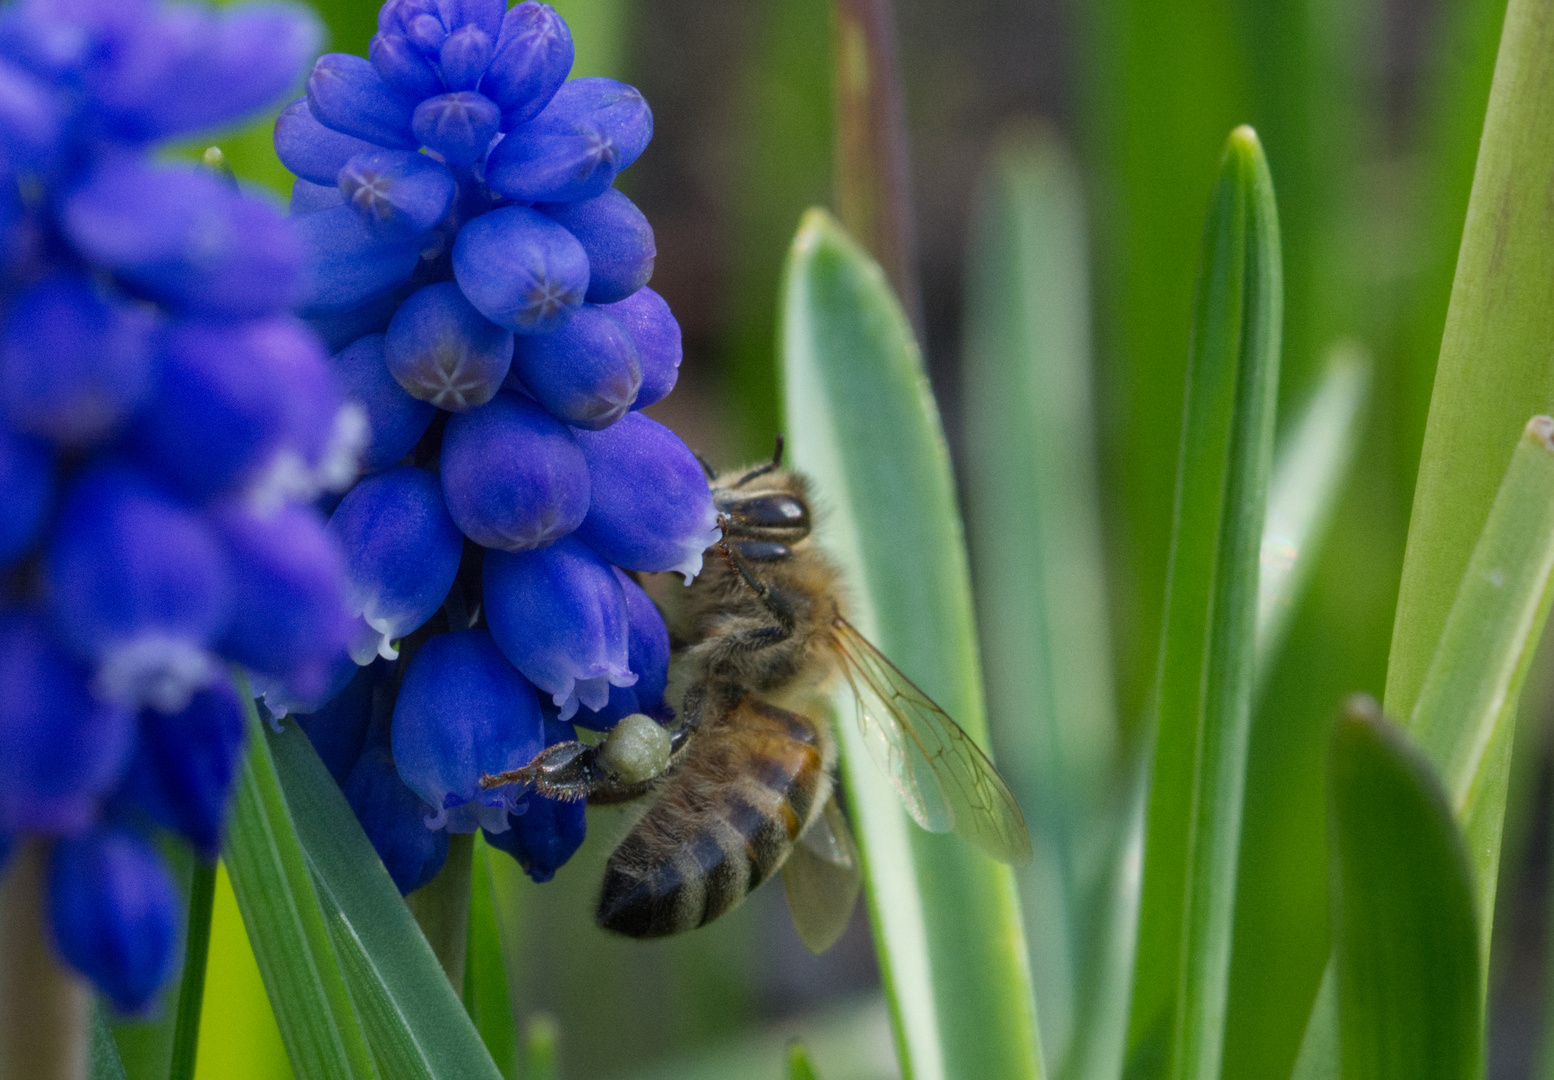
(114, 913)
(163, 417)
(484, 289)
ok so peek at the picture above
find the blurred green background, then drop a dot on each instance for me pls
(1370, 112)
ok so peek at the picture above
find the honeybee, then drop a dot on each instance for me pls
(745, 784)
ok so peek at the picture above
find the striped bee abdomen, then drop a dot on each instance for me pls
(723, 823)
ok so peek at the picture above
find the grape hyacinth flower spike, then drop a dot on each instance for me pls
(484, 289)
(163, 419)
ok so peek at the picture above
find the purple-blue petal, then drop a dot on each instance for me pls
(396, 420)
(349, 262)
(442, 350)
(591, 130)
(656, 333)
(397, 192)
(463, 711)
(186, 238)
(402, 552)
(346, 93)
(402, 67)
(311, 150)
(532, 60)
(559, 614)
(585, 373)
(520, 269)
(338, 728)
(459, 126)
(617, 238)
(651, 509)
(513, 476)
(289, 617)
(394, 819)
(463, 57)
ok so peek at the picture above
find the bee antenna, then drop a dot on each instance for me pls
(708, 469)
(777, 453)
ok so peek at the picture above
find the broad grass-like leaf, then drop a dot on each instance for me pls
(487, 996)
(1497, 356)
(1405, 938)
(416, 1024)
(863, 426)
(290, 933)
(441, 907)
(239, 1037)
(1033, 520)
(1203, 699)
(1465, 714)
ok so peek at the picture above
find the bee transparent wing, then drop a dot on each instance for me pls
(822, 877)
(944, 778)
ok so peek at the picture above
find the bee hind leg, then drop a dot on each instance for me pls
(567, 770)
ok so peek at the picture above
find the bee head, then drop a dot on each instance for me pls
(764, 511)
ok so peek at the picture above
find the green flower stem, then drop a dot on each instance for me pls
(191, 994)
(43, 1008)
(873, 198)
(441, 907)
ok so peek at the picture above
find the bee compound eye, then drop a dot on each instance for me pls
(773, 511)
(636, 750)
(763, 551)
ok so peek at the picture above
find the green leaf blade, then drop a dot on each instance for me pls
(1465, 717)
(416, 1023)
(487, 994)
(1405, 936)
(1036, 544)
(291, 938)
(1203, 701)
(1495, 368)
(864, 428)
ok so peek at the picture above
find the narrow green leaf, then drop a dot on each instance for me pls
(1404, 934)
(487, 995)
(1465, 714)
(290, 935)
(1497, 356)
(1203, 699)
(1033, 520)
(104, 1052)
(441, 908)
(864, 427)
(799, 1065)
(540, 1035)
(191, 992)
(416, 1024)
(1309, 471)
